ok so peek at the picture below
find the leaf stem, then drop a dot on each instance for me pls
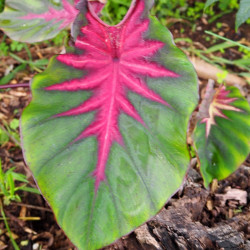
(8, 228)
(228, 40)
(23, 85)
(22, 218)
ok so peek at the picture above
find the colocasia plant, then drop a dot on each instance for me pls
(105, 132)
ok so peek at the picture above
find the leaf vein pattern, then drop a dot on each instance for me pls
(112, 71)
(66, 15)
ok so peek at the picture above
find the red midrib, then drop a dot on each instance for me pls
(111, 119)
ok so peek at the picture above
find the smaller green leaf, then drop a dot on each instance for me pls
(17, 198)
(222, 135)
(4, 48)
(1, 172)
(10, 171)
(209, 2)
(36, 20)
(14, 124)
(11, 184)
(2, 4)
(16, 46)
(228, 40)
(3, 137)
(19, 177)
(6, 200)
(29, 189)
(218, 47)
(243, 13)
(41, 62)
(3, 190)
(6, 79)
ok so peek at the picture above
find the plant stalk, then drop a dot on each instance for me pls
(8, 228)
(23, 85)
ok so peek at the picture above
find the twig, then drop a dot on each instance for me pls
(32, 207)
(23, 85)
(22, 218)
(208, 71)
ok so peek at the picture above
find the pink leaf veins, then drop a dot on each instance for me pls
(66, 15)
(116, 59)
(220, 102)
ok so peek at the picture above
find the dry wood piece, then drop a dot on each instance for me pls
(177, 227)
(146, 239)
(209, 71)
(207, 100)
(232, 194)
(225, 237)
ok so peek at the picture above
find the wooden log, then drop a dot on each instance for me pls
(178, 227)
(208, 71)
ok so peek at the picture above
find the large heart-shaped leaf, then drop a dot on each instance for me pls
(37, 20)
(105, 133)
(222, 137)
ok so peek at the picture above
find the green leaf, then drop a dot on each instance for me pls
(19, 177)
(228, 40)
(41, 62)
(2, 4)
(6, 79)
(222, 136)
(209, 2)
(105, 183)
(3, 137)
(3, 190)
(36, 20)
(243, 13)
(29, 189)
(16, 46)
(14, 124)
(4, 48)
(11, 184)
